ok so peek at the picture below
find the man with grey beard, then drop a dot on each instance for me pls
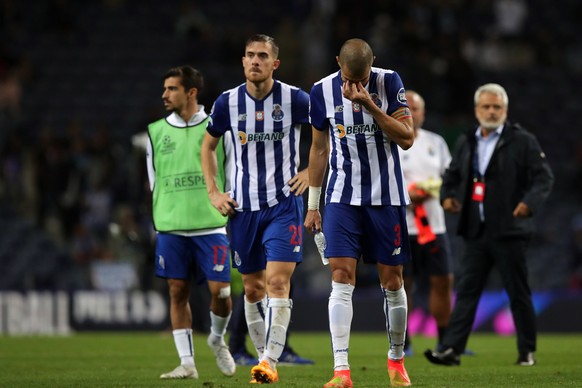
(497, 180)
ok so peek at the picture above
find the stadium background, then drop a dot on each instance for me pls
(79, 80)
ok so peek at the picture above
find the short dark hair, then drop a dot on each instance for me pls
(265, 39)
(189, 77)
(357, 55)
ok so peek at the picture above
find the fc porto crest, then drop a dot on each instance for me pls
(277, 113)
(376, 100)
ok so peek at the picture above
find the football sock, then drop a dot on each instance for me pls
(218, 327)
(340, 311)
(395, 309)
(255, 316)
(276, 322)
(184, 346)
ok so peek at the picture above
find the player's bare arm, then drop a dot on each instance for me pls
(398, 127)
(318, 155)
(221, 201)
(313, 221)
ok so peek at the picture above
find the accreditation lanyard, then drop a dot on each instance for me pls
(478, 179)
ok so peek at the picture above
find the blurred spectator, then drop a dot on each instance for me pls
(83, 246)
(315, 36)
(510, 16)
(127, 237)
(10, 94)
(286, 34)
(11, 163)
(192, 22)
(128, 241)
(54, 173)
(493, 54)
(382, 36)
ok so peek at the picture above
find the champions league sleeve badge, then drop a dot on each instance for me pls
(401, 96)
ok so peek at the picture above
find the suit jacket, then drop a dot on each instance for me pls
(517, 172)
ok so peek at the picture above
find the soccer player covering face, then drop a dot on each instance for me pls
(260, 121)
(360, 117)
(191, 232)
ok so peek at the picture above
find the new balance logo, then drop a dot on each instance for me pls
(396, 251)
(297, 249)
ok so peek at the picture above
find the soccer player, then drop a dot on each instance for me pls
(191, 232)
(261, 120)
(361, 113)
(423, 165)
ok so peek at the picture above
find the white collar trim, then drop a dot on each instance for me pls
(175, 120)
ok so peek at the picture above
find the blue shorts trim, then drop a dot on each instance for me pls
(272, 234)
(377, 234)
(200, 257)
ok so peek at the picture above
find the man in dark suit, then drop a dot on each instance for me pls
(497, 180)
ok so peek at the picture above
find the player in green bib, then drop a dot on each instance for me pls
(191, 233)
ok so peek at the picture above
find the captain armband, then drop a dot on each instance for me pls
(402, 114)
(313, 199)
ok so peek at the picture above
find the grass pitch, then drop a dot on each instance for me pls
(137, 360)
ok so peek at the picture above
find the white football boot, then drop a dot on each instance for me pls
(181, 372)
(224, 359)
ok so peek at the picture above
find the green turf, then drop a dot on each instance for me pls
(136, 360)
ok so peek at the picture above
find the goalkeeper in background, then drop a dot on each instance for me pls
(423, 165)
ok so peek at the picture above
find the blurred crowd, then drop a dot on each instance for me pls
(79, 177)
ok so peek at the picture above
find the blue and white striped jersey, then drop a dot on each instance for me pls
(364, 164)
(263, 137)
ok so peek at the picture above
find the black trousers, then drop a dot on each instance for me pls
(480, 256)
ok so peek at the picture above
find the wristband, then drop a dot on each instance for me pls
(313, 199)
